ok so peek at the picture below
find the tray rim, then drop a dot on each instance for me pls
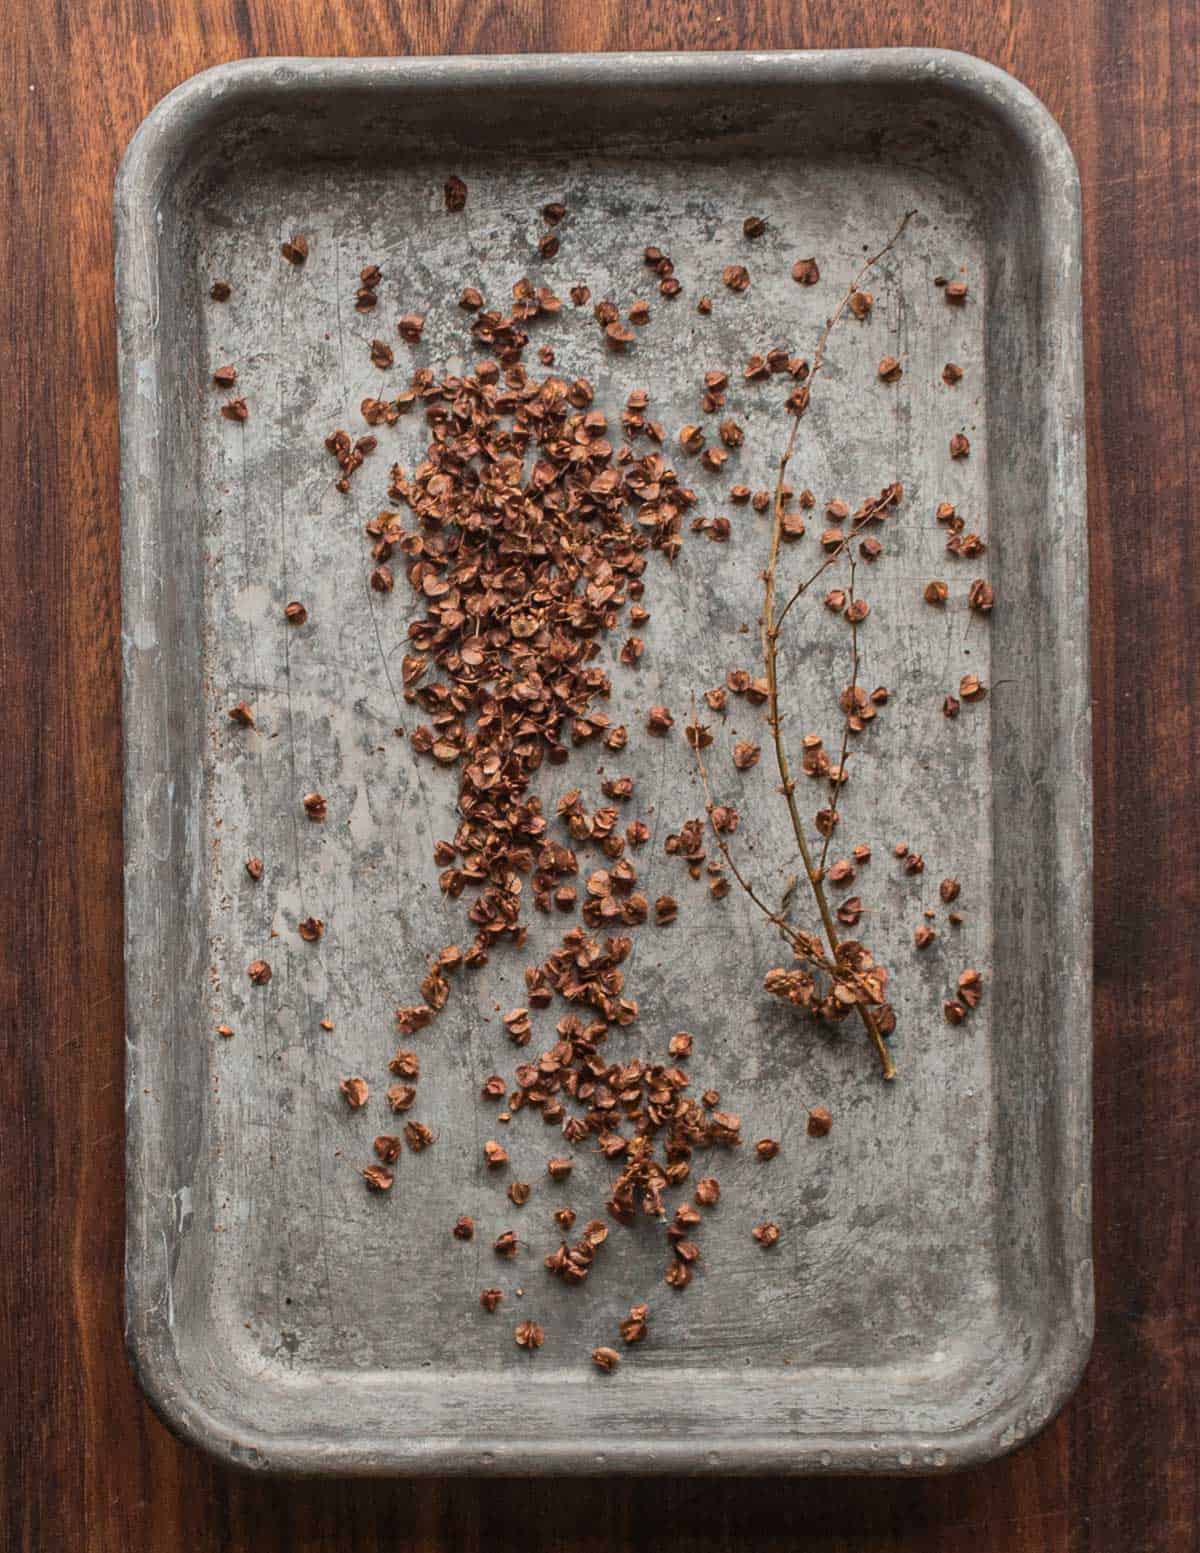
(165, 133)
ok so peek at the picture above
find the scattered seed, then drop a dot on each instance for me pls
(355, 1091)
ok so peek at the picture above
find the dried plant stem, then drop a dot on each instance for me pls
(834, 556)
(845, 750)
(770, 646)
(798, 942)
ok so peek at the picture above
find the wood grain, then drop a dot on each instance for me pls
(86, 1465)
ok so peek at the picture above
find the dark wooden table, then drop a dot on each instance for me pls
(86, 1465)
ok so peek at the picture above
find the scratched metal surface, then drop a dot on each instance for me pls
(929, 1303)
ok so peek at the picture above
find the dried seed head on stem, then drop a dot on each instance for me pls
(798, 404)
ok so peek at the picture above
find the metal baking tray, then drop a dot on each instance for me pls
(930, 1302)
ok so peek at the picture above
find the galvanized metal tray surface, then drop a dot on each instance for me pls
(929, 1304)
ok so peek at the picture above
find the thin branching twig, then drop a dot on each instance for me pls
(850, 711)
(799, 403)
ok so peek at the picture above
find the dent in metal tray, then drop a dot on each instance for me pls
(929, 1304)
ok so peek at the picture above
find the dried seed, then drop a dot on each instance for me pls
(418, 1136)
(254, 867)
(956, 291)
(970, 988)
(708, 1191)
(387, 1147)
(518, 1193)
(409, 327)
(382, 580)
(605, 1359)
(225, 1030)
(559, 1169)
(355, 1091)
(454, 191)
(378, 1178)
(861, 303)
(753, 226)
(382, 355)
(259, 972)
(959, 445)
(529, 1335)
(767, 1148)
(704, 305)
(766, 1234)
(236, 410)
(665, 910)
(890, 369)
(981, 596)
(506, 1244)
(745, 754)
(401, 1097)
(953, 1011)
(225, 377)
(820, 1122)
(949, 890)
(464, 1228)
(634, 1327)
(564, 1218)
(951, 374)
(495, 1154)
(548, 245)
(295, 613)
(924, 936)
(311, 929)
(580, 295)
(295, 251)
(736, 277)
(220, 291)
(405, 1064)
(806, 272)
(659, 720)
(972, 688)
(490, 1299)
(951, 706)
(914, 863)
